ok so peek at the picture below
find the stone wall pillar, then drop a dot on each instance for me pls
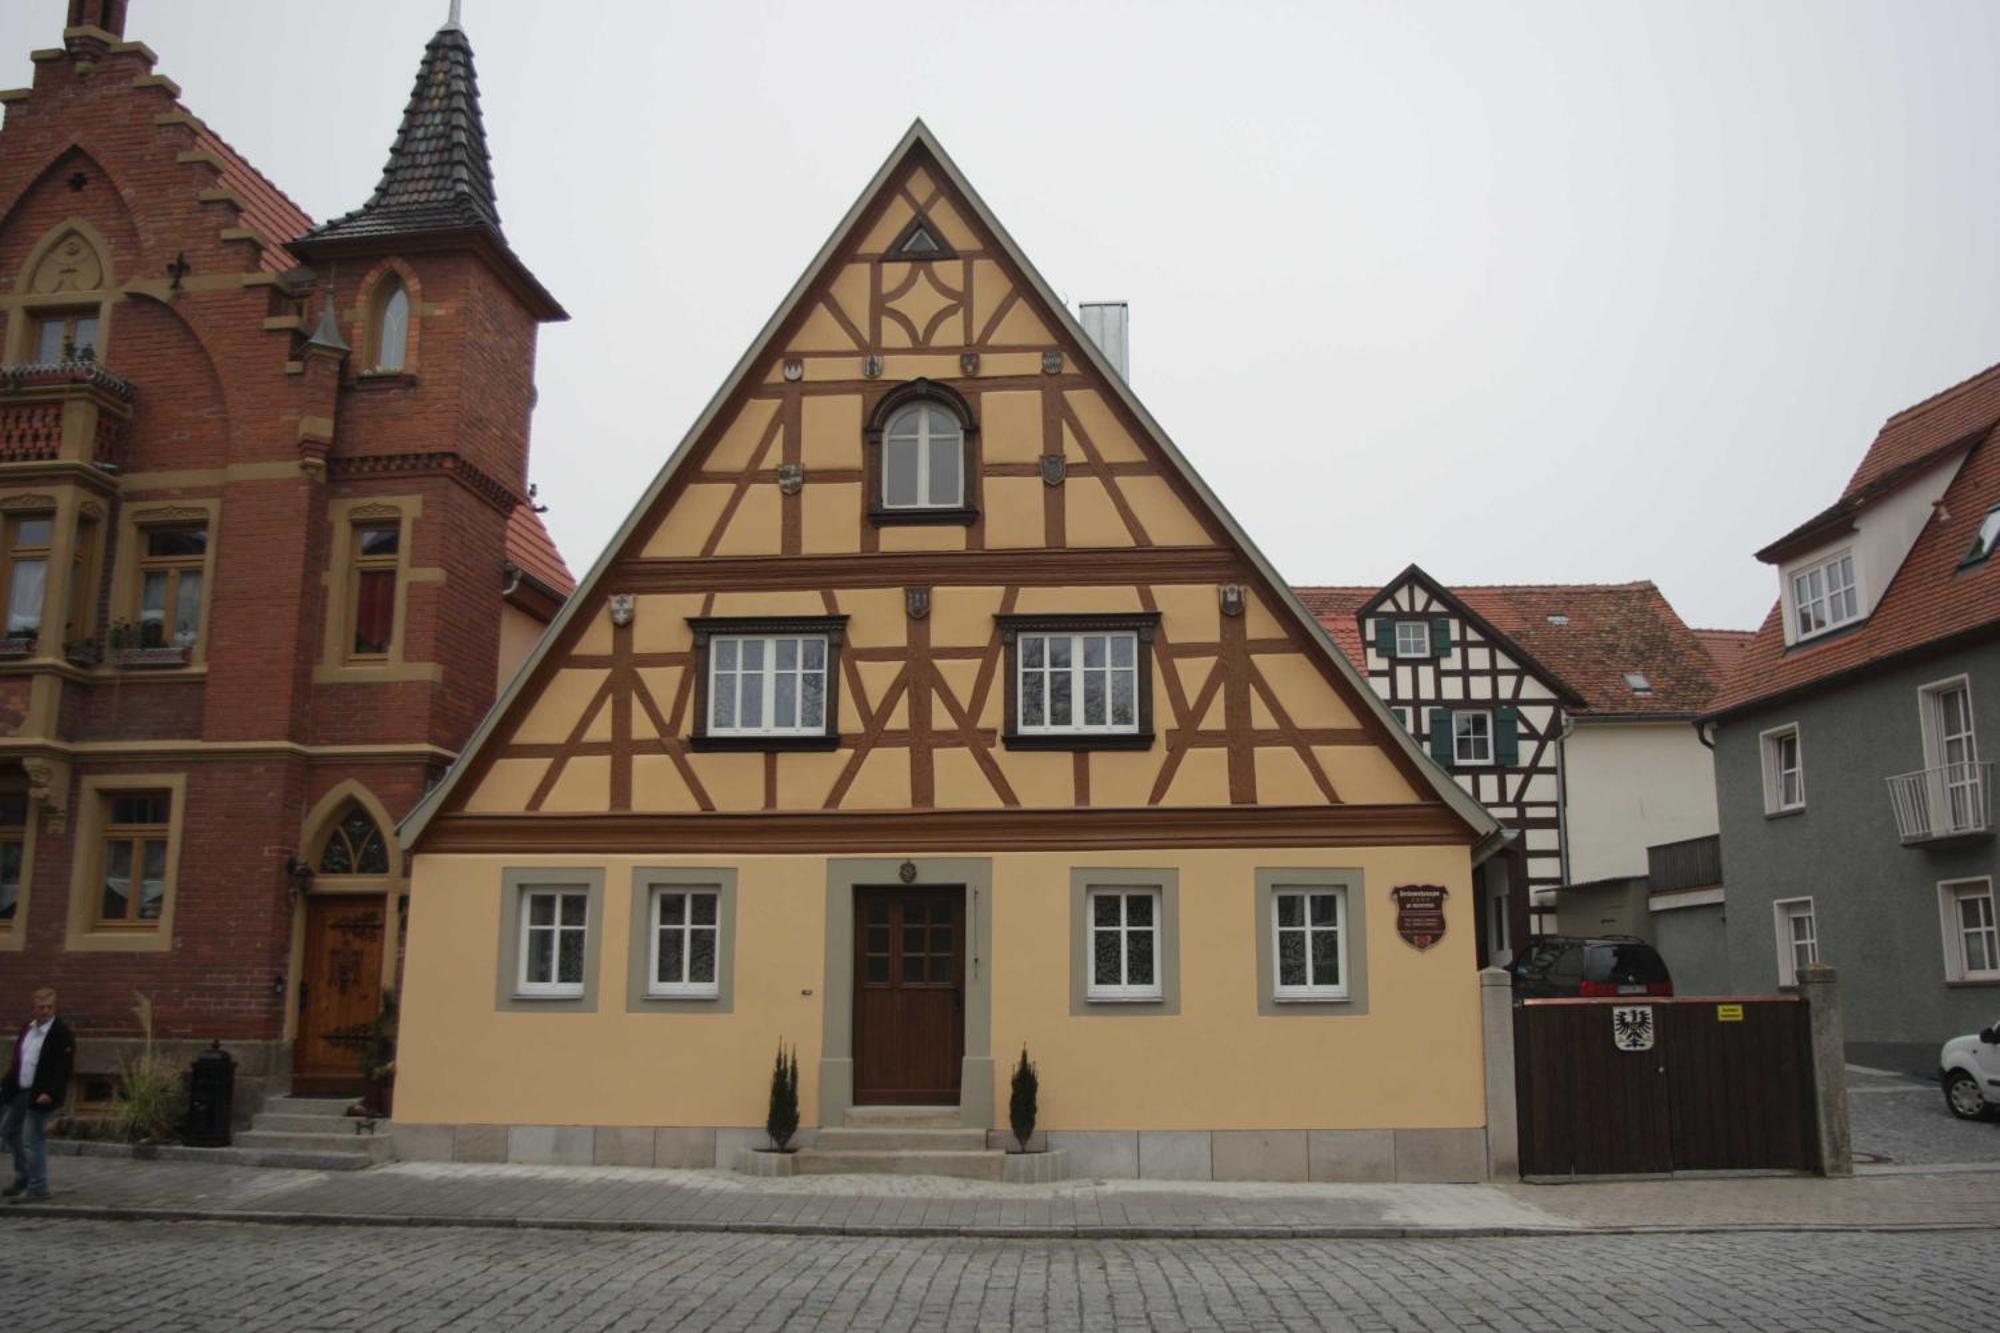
(1819, 988)
(1503, 1124)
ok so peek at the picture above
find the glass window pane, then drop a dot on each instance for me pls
(1104, 909)
(1139, 958)
(753, 655)
(1139, 909)
(117, 881)
(944, 459)
(751, 703)
(1123, 648)
(569, 958)
(1105, 956)
(1093, 699)
(153, 609)
(725, 654)
(1033, 710)
(1124, 705)
(574, 905)
(1059, 700)
(542, 909)
(187, 608)
(701, 957)
(24, 597)
(176, 541)
(942, 968)
(33, 532)
(1326, 957)
(1032, 646)
(899, 472)
(913, 939)
(877, 969)
(785, 704)
(722, 708)
(878, 939)
(1292, 958)
(48, 341)
(815, 654)
(788, 654)
(913, 967)
(673, 909)
(1093, 650)
(153, 880)
(812, 702)
(941, 939)
(704, 905)
(1291, 909)
(1060, 649)
(383, 539)
(541, 956)
(86, 335)
(1325, 909)
(672, 961)
(374, 610)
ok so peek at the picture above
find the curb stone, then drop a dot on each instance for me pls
(92, 1212)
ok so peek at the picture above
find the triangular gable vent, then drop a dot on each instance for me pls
(920, 240)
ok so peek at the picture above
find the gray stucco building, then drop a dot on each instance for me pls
(1856, 812)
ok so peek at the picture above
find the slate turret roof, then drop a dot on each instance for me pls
(439, 176)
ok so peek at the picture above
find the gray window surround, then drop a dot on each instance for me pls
(836, 1065)
(514, 885)
(1167, 962)
(1269, 882)
(638, 961)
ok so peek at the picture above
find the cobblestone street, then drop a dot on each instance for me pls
(160, 1277)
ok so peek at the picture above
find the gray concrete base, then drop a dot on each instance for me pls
(1334, 1156)
(1034, 1168)
(770, 1165)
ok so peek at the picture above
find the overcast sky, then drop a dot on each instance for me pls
(1525, 293)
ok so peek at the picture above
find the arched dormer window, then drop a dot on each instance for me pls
(922, 463)
(389, 326)
(355, 845)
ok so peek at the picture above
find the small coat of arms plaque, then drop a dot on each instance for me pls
(1420, 913)
(1632, 1027)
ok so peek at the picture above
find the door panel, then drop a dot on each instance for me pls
(909, 995)
(341, 991)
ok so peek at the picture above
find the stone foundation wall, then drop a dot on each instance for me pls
(263, 1068)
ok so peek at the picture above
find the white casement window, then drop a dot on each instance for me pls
(1986, 540)
(923, 459)
(1952, 753)
(1413, 638)
(555, 923)
(1798, 937)
(1471, 737)
(1824, 596)
(1310, 926)
(1971, 934)
(687, 939)
(1784, 771)
(767, 685)
(1079, 683)
(1124, 944)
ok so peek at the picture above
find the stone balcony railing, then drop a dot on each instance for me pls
(1949, 802)
(75, 411)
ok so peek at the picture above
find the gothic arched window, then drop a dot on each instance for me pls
(389, 327)
(355, 845)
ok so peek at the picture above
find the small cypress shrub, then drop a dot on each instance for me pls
(782, 1120)
(1021, 1103)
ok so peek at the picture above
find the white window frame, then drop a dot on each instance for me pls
(922, 410)
(768, 671)
(1812, 588)
(1958, 783)
(1458, 752)
(1422, 643)
(1783, 912)
(525, 985)
(1769, 747)
(684, 989)
(1986, 540)
(1023, 672)
(1957, 963)
(1125, 990)
(1313, 989)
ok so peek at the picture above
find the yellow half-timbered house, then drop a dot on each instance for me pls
(928, 707)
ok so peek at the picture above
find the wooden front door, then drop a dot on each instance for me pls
(909, 995)
(340, 991)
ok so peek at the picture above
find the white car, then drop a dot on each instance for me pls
(1969, 1068)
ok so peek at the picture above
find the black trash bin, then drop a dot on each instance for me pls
(211, 1097)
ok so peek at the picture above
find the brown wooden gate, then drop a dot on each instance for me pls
(1726, 1084)
(340, 992)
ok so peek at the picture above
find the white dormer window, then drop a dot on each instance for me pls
(1413, 638)
(1824, 596)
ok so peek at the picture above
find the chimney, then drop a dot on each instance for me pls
(104, 15)
(1109, 324)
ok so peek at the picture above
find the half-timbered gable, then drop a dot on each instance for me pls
(925, 707)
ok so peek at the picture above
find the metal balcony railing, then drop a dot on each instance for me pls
(1949, 801)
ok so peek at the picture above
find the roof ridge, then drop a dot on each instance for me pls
(1949, 391)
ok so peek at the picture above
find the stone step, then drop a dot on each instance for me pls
(309, 1105)
(307, 1124)
(851, 1139)
(376, 1147)
(965, 1165)
(902, 1117)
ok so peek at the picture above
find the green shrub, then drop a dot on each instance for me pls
(1027, 1087)
(782, 1120)
(152, 1106)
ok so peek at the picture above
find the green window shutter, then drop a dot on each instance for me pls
(1402, 718)
(1506, 737)
(1441, 735)
(1440, 637)
(1385, 636)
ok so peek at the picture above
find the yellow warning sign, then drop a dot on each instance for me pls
(1729, 1013)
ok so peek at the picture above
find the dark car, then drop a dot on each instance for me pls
(1561, 966)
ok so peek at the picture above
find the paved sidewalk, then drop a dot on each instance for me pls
(613, 1198)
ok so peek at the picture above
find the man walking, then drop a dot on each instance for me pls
(37, 1079)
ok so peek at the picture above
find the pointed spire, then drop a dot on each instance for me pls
(327, 335)
(439, 176)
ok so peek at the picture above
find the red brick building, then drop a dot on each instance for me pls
(266, 549)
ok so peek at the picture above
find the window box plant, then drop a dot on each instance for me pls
(17, 646)
(83, 652)
(131, 646)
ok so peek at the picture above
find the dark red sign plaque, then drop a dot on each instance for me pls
(1420, 913)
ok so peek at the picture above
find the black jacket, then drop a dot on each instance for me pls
(52, 1071)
